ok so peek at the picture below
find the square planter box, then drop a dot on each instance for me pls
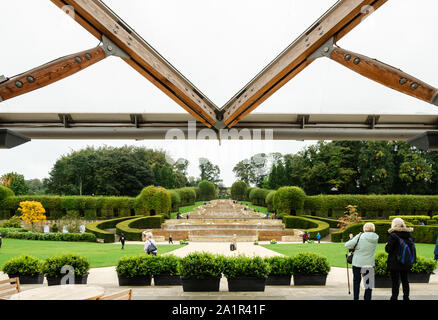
(382, 281)
(167, 280)
(419, 277)
(246, 284)
(135, 281)
(200, 285)
(278, 280)
(309, 279)
(56, 281)
(36, 279)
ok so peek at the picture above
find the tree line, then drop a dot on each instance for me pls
(122, 171)
(346, 167)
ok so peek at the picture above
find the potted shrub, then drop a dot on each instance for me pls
(256, 242)
(135, 270)
(273, 241)
(201, 271)
(382, 279)
(166, 270)
(27, 268)
(53, 266)
(421, 270)
(245, 273)
(281, 271)
(310, 269)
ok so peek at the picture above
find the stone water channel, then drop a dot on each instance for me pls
(221, 220)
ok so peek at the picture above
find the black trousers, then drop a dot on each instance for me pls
(396, 276)
(357, 278)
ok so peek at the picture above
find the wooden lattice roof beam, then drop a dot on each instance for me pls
(336, 22)
(99, 20)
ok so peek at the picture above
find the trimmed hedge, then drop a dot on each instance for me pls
(88, 237)
(5, 231)
(5, 192)
(333, 223)
(88, 207)
(207, 191)
(258, 196)
(175, 200)
(312, 226)
(421, 234)
(187, 196)
(132, 229)
(97, 228)
(153, 200)
(371, 206)
(410, 218)
(382, 228)
(289, 200)
(238, 191)
(270, 201)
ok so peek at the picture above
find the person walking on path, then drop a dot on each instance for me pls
(1, 240)
(435, 252)
(318, 237)
(308, 236)
(150, 247)
(170, 239)
(399, 235)
(304, 237)
(364, 245)
(122, 240)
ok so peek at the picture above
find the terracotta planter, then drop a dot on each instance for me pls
(200, 285)
(382, 281)
(167, 280)
(276, 280)
(419, 277)
(134, 281)
(56, 281)
(246, 284)
(25, 279)
(309, 279)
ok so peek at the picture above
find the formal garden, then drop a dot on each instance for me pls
(29, 248)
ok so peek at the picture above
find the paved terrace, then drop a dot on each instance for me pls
(335, 289)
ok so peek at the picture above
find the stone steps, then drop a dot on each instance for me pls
(219, 238)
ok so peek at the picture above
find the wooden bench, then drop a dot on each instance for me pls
(122, 295)
(9, 287)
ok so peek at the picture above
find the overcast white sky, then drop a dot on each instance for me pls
(219, 45)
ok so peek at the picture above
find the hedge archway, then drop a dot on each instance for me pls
(289, 200)
(153, 201)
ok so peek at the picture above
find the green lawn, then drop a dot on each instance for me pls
(335, 252)
(99, 254)
(186, 209)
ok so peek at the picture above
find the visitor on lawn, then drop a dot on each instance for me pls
(435, 252)
(363, 256)
(304, 237)
(318, 237)
(1, 241)
(399, 234)
(122, 240)
(308, 235)
(150, 247)
(170, 239)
